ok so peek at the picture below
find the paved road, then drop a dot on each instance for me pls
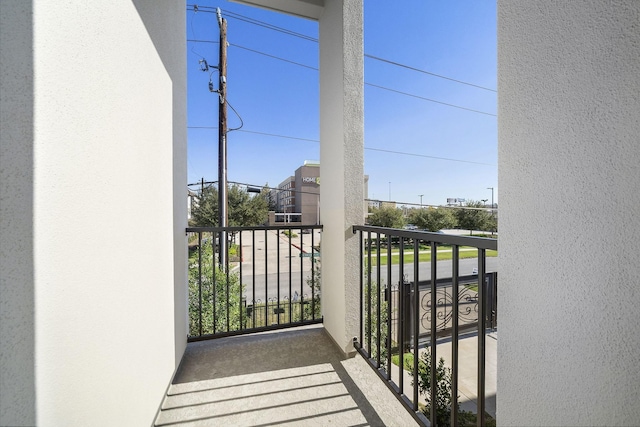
(424, 273)
(272, 286)
(264, 258)
(444, 269)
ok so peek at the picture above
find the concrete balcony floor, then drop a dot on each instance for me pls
(289, 377)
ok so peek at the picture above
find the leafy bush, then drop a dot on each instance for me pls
(373, 317)
(443, 386)
(215, 298)
(443, 402)
(314, 310)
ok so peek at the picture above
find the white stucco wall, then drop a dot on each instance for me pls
(107, 180)
(569, 177)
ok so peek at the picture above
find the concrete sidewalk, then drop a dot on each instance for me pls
(468, 371)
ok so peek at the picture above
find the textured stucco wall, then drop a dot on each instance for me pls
(17, 375)
(341, 153)
(342, 160)
(569, 175)
(99, 168)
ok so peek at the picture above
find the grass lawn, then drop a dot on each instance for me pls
(442, 255)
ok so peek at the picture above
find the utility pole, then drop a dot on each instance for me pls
(222, 140)
(492, 212)
(491, 188)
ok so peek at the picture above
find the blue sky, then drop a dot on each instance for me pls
(455, 39)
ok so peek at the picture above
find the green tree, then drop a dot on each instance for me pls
(432, 219)
(387, 216)
(474, 219)
(218, 298)
(272, 204)
(244, 209)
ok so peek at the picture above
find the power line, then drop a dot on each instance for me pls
(209, 183)
(369, 84)
(281, 136)
(430, 100)
(203, 41)
(427, 72)
(427, 205)
(315, 40)
(258, 133)
(403, 153)
(237, 114)
(244, 18)
(270, 26)
(273, 56)
(427, 156)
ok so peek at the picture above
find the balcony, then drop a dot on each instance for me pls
(272, 362)
(294, 376)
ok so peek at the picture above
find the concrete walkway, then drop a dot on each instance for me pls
(290, 377)
(468, 371)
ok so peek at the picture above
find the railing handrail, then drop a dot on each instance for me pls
(401, 333)
(296, 226)
(440, 238)
(230, 297)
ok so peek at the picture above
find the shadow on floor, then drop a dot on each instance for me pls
(295, 377)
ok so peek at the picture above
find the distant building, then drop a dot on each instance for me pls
(388, 204)
(285, 196)
(192, 201)
(307, 194)
(374, 204)
(298, 197)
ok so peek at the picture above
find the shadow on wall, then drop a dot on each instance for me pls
(17, 326)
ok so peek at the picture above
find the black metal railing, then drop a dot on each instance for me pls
(404, 318)
(269, 279)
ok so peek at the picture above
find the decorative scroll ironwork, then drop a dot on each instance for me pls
(467, 307)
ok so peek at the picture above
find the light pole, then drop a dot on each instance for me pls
(389, 190)
(484, 201)
(491, 188)
(420, 200)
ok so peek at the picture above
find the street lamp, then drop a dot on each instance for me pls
(484, 201)
(492, 214)
(389, 190)
(491, 188)
(420, 200)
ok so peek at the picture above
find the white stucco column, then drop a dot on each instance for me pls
(341, 163)
(341, 153)
(569, 170)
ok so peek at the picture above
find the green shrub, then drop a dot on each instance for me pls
(373, 317)
(443, 402)
(219, 296)
(314, 310)
(289, 233)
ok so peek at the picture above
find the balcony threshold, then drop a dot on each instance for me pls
(296, 376)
